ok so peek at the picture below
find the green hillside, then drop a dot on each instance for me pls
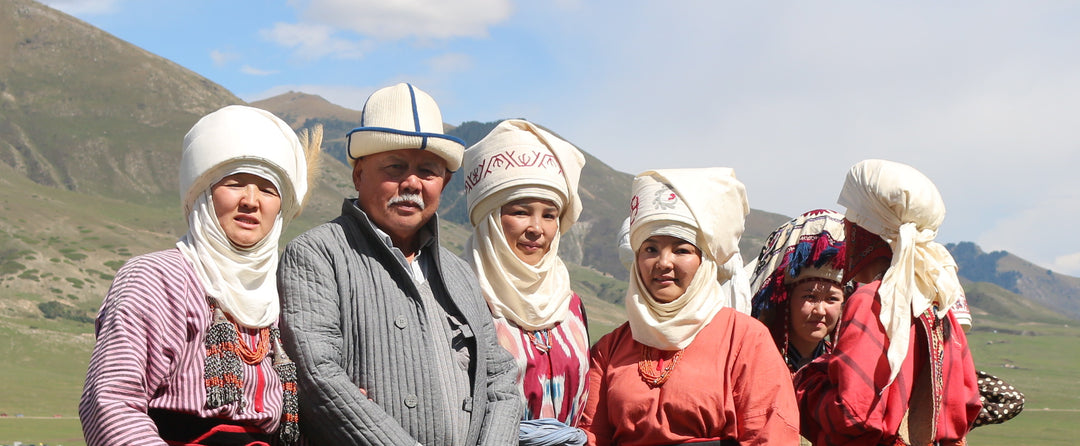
(84, 111)
(90, 135)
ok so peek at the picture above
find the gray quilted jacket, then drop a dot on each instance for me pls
(350, 320)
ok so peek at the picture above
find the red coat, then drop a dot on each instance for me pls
(840, 394)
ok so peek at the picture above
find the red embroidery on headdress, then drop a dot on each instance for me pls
(508, 160)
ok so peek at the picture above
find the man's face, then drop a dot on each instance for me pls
(400, 190)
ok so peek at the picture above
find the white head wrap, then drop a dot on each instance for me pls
(903, 207)
(708, 208)
(520, 160)
(238, 139)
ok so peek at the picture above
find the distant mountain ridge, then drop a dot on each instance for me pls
(85, 113)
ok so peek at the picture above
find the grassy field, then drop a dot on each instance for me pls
(43, 369)
(44, 366)
(1040, 360)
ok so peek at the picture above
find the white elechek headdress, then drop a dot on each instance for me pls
(708, 208)
(239, 139)
(520, 160)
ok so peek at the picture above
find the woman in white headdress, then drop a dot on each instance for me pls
(187, 345)
(687, 367)
(521, 187)
(900, 371)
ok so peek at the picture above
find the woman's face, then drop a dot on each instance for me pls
(529, 225)
(666, 265)
(815, 307)
(246, 206)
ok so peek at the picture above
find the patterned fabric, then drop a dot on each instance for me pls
(1000, 401)
(810, 245)
(518, 156)
(730, 384)
(845, 396)
(150, 354)
(553, 381)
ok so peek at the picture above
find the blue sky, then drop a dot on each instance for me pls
(983, 97)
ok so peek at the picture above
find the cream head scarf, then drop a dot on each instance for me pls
(238, 139)
(520, 160)
(904, 208)
(708, 208)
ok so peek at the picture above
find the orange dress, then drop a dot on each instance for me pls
(729, 383)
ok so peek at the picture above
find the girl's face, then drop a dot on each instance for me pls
(246, 206)
(815, 308)
(530, 224)
(666, 266)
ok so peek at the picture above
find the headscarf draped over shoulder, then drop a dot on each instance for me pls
(903, 207)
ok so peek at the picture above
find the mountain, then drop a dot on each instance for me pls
(90, 132)
(1018, 276)
(84, 111)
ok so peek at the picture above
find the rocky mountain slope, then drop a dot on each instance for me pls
(88, 121)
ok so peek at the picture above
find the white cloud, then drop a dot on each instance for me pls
(1069, 263)
(314, 41)
(981, 99)
(389, 20)
(247, 69)
(84, 7)
(1040, 232)
(221, 58)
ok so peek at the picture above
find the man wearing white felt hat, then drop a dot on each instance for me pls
(392, 340)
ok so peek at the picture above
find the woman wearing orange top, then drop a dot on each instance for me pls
(686, 368)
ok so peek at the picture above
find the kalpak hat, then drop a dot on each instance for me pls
(403, 117)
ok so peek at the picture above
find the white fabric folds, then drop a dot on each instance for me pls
(239, 139)
(903, 206)
(706, 207)
(520, 160)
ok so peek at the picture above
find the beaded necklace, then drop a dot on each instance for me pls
(655, 372)
(541, 339)
(255, 356)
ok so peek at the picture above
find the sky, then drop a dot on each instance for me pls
(981, 96)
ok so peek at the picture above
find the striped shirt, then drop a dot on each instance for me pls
(150, 355)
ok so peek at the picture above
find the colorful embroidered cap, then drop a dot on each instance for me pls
(808, 246)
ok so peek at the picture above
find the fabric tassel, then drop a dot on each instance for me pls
(821, 247)
(799, 257)
(223, 369)
(289, 429)
(823, 257)
(839, 262)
